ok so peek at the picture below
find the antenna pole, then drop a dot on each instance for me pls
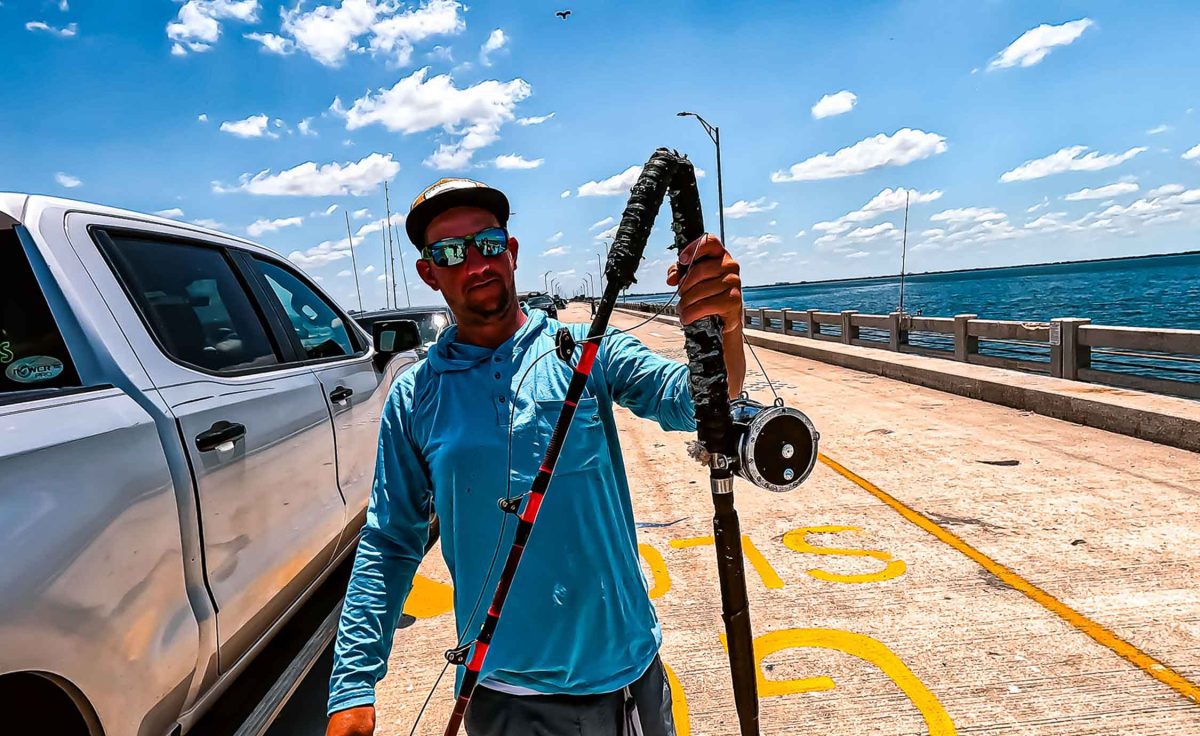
(904, 252)
(353, 260)
(386, 299)
(391, 242)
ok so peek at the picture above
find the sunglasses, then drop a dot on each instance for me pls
(490, 242)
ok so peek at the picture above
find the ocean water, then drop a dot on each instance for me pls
(1157, 291)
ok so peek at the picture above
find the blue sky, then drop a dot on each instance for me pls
(1020, 131)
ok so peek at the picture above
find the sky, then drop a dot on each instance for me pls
(1018, 132)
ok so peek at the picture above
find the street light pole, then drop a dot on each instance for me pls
(545, 281)
(714, 133)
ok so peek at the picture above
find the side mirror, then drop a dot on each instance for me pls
(395, 336)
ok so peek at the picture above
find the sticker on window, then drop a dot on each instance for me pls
(34, 368)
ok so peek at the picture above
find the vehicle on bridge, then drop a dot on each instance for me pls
(189, 428)
(430, 321)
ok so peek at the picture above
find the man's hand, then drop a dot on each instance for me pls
(358, 721)
(712, 284)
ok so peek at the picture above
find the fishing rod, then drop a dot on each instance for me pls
(774, 447)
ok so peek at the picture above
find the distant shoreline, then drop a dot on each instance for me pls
(896, 276)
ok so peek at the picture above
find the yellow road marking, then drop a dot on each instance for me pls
(1101, 635)
(658, 570)
(797, 540)
(769, 577)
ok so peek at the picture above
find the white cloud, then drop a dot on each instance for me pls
(608, 234)
(63, 5)
(65, 32)
(513, 161)
(888, 200)
(800, 234)
(254, 126)
(601, 223)
(369, 270)
(555, 238)
(1166, 190)
(555, 251)
(273, 44)
(173, 213)
(743, 208)
(362, 214)
(837, 103)
(534, 120)
(198, 23)
(968, 214)
(1040, 205)
(565, 193)
(1192, 153)
(1068, 159)
(858, 254)
(260, 226)
(899, 149)
(310, 180)
(209, 223)
(1164, 128)
(202, 118)
(66, 180)
(474, 114)
(328, 33)
(334, 250)
(381, 277)
(496, 41)
(1105, 192)
(1034, 44)
(305, 127)
(345, 272)
(325, 212)
(754, 242)
(614, 186)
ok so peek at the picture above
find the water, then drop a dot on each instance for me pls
(1157, 291)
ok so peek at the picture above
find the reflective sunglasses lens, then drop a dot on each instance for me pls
(449, 254)
(492, 242)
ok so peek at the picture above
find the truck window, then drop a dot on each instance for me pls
(33, 354)
(318, 325)
(193, 302)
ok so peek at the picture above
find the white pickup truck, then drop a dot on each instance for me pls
(188, 433)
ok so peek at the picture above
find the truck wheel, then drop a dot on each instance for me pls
(34, 704)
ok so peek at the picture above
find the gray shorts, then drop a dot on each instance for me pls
(641, 709)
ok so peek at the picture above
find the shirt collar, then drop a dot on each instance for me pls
(449, 355)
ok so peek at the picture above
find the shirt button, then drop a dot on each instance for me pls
(500, 399)
(497, 374)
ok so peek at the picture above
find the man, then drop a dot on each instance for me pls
(576, 651)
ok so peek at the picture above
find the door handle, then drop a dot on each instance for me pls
(340, 394)
(220, 436)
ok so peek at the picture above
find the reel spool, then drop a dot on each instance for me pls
(776, 445)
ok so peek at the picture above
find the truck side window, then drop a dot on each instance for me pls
(33, 354)
(317, 323)
(194, 303)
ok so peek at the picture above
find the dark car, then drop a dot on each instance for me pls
(430, 321)
(544, 302)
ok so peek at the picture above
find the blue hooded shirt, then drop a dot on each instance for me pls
(578, 618)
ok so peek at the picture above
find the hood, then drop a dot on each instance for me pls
(449, 355)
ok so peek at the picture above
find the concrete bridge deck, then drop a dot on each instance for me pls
(952, 566)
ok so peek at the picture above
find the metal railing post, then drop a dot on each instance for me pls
(814, 329)
(964, 344)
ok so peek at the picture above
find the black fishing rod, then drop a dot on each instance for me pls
(773, 447)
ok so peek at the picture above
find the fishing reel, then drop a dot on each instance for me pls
(776, 445)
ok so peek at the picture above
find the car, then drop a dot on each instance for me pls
(544, 302)
(430, 321)
(190, 430)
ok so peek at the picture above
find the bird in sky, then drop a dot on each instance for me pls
(563, 14)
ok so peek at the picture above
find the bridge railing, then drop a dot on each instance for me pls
(1163, 361)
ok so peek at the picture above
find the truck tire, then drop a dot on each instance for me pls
(34, 704)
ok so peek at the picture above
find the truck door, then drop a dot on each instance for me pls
(355, 387)
(252, 418)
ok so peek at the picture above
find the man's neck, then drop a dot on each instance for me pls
(490, 332)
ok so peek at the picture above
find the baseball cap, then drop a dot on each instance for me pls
(452, 192)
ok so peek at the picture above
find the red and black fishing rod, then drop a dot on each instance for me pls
(728, 447)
